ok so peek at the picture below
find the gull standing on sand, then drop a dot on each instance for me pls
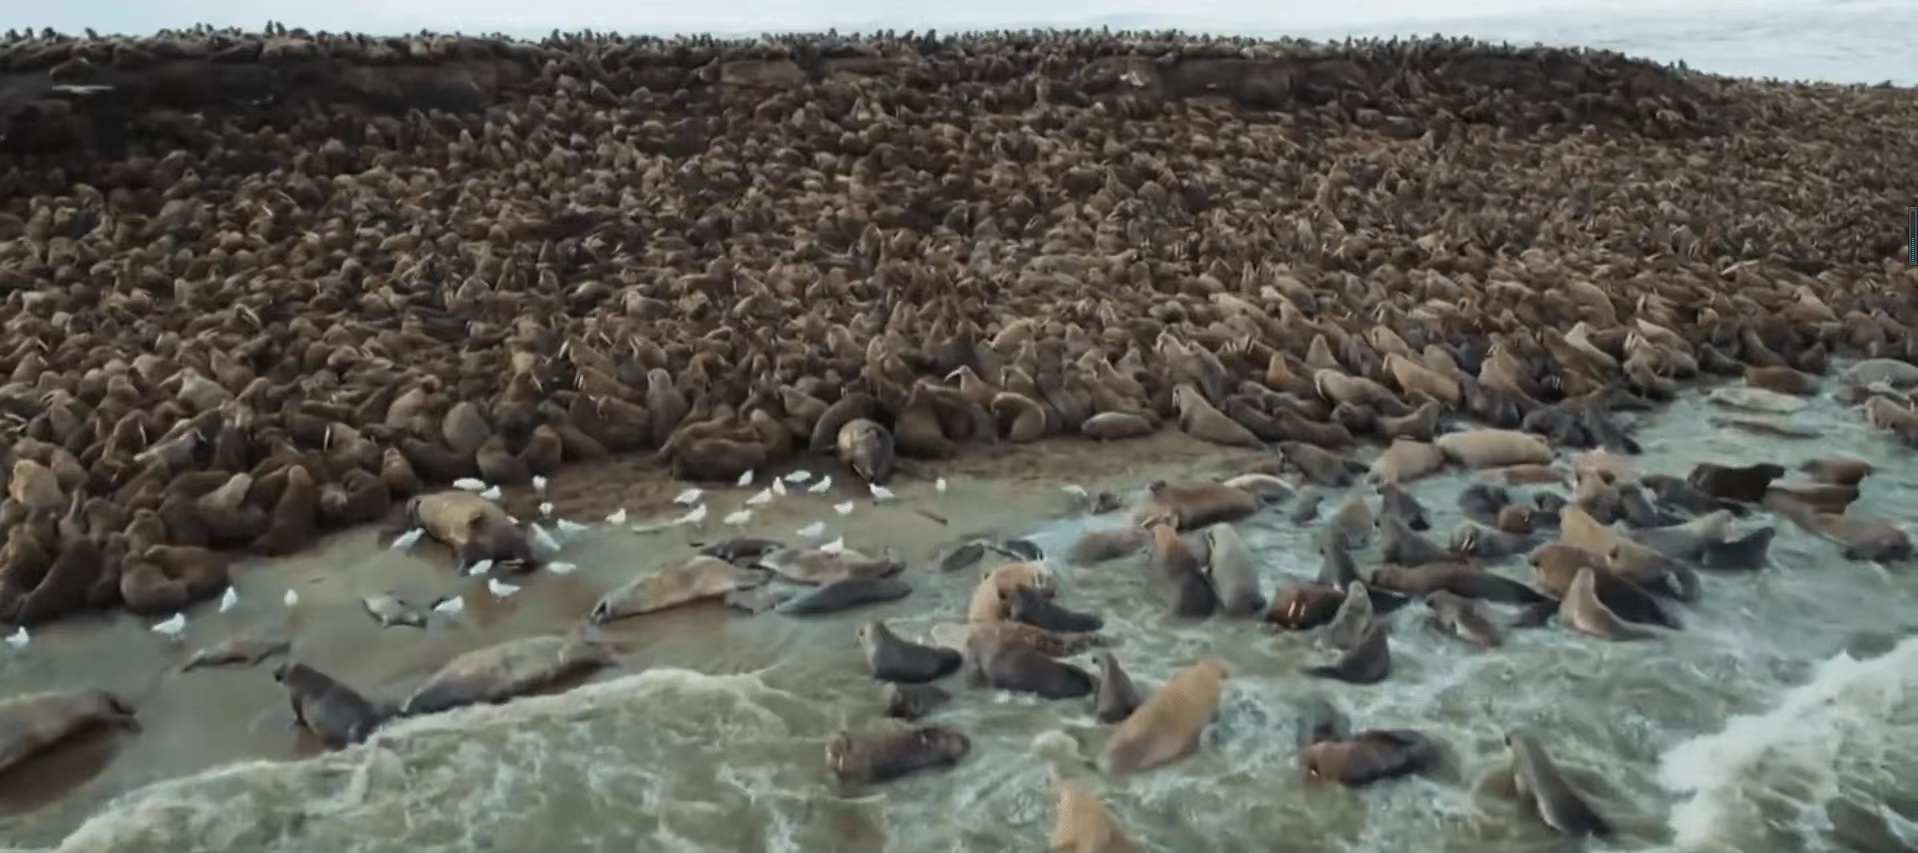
(545, 509)
(492, 493)
(480, 568)
(779, 487)
(798, 477)
(880, 493)
(500, 589)
(543, 541)
(739, 517)
(689, 497)
(843, 508)
(561, 567)
(617, 516)
(570, 527)
(172, 627)
(939, 485)
(820, 487)
(292, 598)
(835, 546)
(19, 639)
(764, 497)
(813, 530)
(539, 485)
(469, 484)
(693, 516)
(450, 606)
(229, 600)
(746, 479)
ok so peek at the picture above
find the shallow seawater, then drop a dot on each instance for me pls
(1754, 729)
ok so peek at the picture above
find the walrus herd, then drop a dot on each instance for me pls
(260, 286)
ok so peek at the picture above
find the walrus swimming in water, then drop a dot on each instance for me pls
(1368, 662)
(1353, 621)
(1555, 566)
(1005, 660)
(1746, 553)
(891, 749)
(1336, 566)
(1178, 574)
(502, 671)
(32, 722)
(1167, 726)
(1688, 540)
(1117, 698)
(1469, 581)
(1539, 783)
(913, 701)
(1228, 564)
(1032, 607)
(1399, 504)
(1463, 618)
(1481, 502)
(1398, 544)
(338, 714)
(697, 579)
(1369, 756)
(1084, 824)
(845, 594)
(1193, 505)
(1352, 522)
(1587, 615)
(1493, 448)
(991, 599)
(1488, 543)
(891, 658)
(1744, 484)
(1837, 470)
(1098, 546)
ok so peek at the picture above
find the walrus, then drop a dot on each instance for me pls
(1587, 615)
(913, 701)
(1319, 721)
(243, 649)
(1178, 574)
(474, 527)
(1555, 566)
(1744, 554)
(1744, 484)
(1320, 466)
(32, 722)
(1304, 606)
(1400, 504)
(892, 749)
(1399, 544)
(1354, 619)
(846, 594)
(1032, 607)
(697, 579)
(1305, 507)
(1007, 661)
(1369, 756)
(891, 658)
(502, 671)
(1836, 470)
(1352, 521)
(1489, 543)
(1861, 537)
(1636, 510)
(293, 516)
(815, 566)
(1782, 379)
(1482, 502)
(338, 714)
(1117, 698)
(1235, 582)
(1459, 578)
(867, 449)
(1493, 448)
(1267, 488)
(1367, 662)
(1117, 426)
(1404, 461)
(991, 599)
(499, 465)
(1167, 726)
(1336, 566)
(1098, 546)
(1687, 540)
(1195, 504)
(1681, 495)
(1820, 497)
(1871, 371)
(1463, 618)
(1203, 421)
(1539, 783)
(1083, 824)
(1523, 474)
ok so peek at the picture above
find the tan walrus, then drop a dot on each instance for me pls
(500, 672)
(32, 722)
(1166, 728)
(1587, 615)
(697, 579)
(1195, 504)
(991, 598)
(474, 527)
(1084, 824)
(891, 749)
(1494, 448)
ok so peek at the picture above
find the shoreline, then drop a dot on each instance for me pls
(191, 719)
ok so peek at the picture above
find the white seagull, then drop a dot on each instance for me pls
(844, 508)
(500, 589)
(739, 517)
(539, 485)
(821, 487)
(798, 477)
(880, 493)
(617, 516)
(689, 497)
(561, 567)
(469, 484)
(406, 541)
(813, 530)
(229, 600)
(764, 497)
(450, 606)
(172, 627)
(746, 479)
(19, 639)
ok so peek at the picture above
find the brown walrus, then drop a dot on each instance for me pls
(338, 714)
(1744, 483)
(1178, 574)
(867, 449)
(891, 749)
(292, 522)
(1166, 728)
(1459, 578)
(1084, 824)
(1555, 801)
(1587, 615)
(474, 527)
(1201, 420)
(1011, 660)
(500, 672)
(1195, 504)
(1369, 756)
(32, 722)
(992, 598)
